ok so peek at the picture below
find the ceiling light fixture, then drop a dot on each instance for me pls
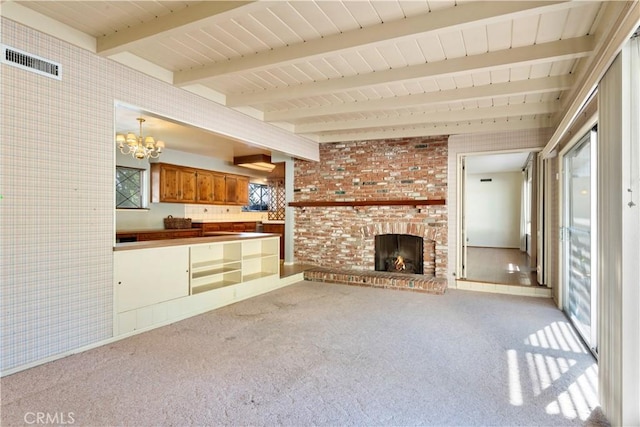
(260, 162)
(138, 146)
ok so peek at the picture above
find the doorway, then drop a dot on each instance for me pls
(498, 222)
(579, 237)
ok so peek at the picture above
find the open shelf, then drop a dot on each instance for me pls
(255, 276)
(256, 256)
(210, 263)
(217, 265)
(214, 271)
(211, 286)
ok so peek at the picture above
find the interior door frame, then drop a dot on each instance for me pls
(461, 232)
(461, 247)
(543, 217)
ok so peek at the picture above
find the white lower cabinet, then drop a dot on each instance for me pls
(156, 286)
(147, 276)
(144, 280)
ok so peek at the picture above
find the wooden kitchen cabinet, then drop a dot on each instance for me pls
(204, 187)
(242, 190)
(167, 178)
(231, 184)
(219, 189)
(144, 235)
(173, 184)
(169, 234)
(180, 184)
(188, 186)
(208, 227)
(237, 190)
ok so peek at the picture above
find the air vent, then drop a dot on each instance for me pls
(30, 62)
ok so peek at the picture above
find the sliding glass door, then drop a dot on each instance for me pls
(579, 237)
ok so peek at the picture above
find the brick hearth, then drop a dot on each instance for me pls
(378, 279)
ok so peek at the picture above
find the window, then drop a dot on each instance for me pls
(129, 188)
(258, 198)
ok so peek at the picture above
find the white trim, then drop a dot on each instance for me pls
(285, 281)
(589, 124)
(459, 271)
(459, 196)
(59, 356)
(527, 291)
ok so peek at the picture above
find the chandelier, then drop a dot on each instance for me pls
(138, 146)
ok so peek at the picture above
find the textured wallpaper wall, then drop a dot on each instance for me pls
(56, 182)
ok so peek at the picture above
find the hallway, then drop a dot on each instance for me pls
(499, 265)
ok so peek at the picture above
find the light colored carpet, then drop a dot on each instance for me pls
(322, 354)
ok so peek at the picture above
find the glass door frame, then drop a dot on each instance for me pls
(589, 138)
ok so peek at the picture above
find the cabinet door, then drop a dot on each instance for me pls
(205, 187)
(170, 183)
(242, 190)
(230, 185)
(219, 195)
(188, 185)
(137, 286)
(237, 190)
(173, 184)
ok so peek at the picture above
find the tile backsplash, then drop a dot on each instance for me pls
(221, 213)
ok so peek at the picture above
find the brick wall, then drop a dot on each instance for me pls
(411, 168)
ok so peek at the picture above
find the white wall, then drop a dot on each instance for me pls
(493, 209)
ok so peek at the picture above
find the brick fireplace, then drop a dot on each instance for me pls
(341, 239)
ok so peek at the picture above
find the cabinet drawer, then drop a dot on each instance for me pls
(153, 236)
(186, 233)
(211, 226)
(273, 228)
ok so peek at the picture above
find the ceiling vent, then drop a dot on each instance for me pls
(29, 62)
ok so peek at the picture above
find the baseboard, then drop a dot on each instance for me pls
(286, 281)
(496, 288)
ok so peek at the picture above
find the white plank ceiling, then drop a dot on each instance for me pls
(344, 70)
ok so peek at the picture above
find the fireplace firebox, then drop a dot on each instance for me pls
(399, 253)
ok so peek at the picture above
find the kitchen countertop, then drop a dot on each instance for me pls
(212, 238)
(273, 221)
